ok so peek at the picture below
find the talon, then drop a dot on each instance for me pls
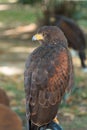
(56, 120)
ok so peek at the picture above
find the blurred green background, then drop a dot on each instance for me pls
(19, 20)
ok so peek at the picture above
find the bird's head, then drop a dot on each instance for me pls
(49, 35)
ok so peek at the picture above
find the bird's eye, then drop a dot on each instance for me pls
(44, 34)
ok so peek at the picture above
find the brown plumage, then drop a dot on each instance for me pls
(74, 35)
(47, 76)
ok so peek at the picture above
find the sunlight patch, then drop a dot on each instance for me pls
(4, 7)
(21, 49)
(12, 1)
(10, 70)
(20, 30)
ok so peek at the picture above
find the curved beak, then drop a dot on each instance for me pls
(37, 37)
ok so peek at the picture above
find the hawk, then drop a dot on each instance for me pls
(48, 75)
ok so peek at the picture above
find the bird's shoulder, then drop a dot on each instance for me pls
(48, 78)
(44, 57)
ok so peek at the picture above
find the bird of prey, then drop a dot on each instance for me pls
(48, 75)
(74, 35)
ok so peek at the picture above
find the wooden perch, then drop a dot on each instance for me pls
(4, 98)
(9, 119)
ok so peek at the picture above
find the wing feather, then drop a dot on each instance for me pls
(45, 83)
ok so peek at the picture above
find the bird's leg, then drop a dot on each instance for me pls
(56, 120)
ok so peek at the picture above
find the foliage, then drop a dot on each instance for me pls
(29, 1)
(19, 15)
(4, 1)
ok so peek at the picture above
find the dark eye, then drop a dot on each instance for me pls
(44, 34)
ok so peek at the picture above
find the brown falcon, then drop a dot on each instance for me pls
(48, 75)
